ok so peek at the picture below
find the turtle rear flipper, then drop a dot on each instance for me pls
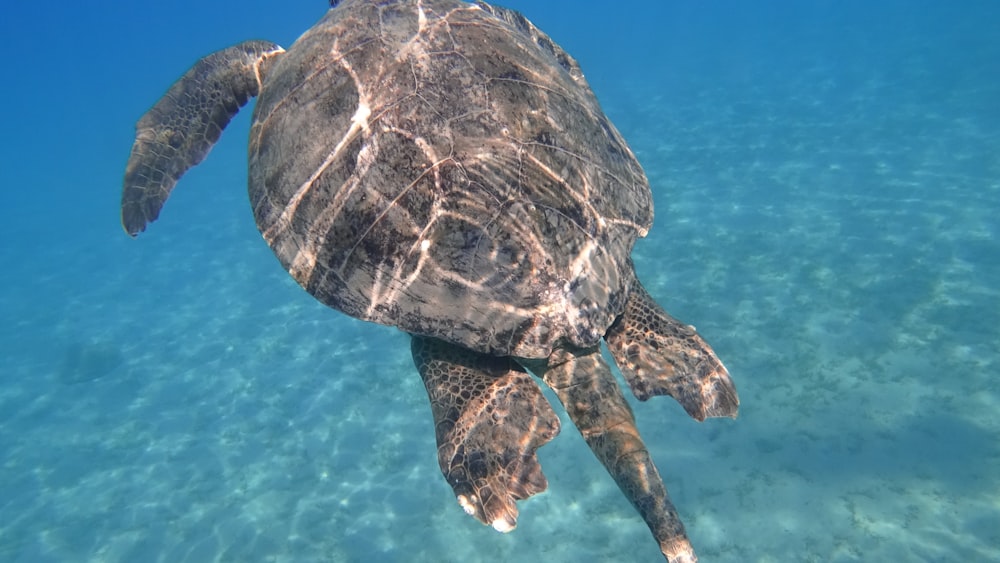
(595, 403)
(659, 355)
(489, 418)
(177, 132)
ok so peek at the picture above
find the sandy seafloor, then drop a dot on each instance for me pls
(827, 189)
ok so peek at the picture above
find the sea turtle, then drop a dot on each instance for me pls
(443, 167)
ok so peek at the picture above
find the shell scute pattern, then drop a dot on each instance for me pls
(479, 175)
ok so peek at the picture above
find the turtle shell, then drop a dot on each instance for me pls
(444, 167)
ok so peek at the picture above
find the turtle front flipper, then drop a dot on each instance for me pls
(659, 355)
(489, 418)
(177, 132)
(596, 405)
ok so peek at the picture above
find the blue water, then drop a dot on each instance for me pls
(827, 189)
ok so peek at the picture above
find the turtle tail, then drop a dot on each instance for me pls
(177, 132)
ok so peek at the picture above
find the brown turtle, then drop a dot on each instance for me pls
(443, 167)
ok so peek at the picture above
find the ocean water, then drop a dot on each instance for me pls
(826, 178)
